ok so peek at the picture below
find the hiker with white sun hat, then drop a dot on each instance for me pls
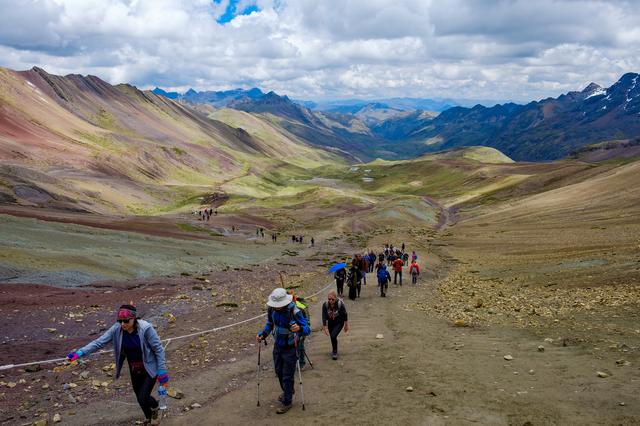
(287, 324)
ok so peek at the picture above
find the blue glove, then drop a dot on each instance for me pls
(74, 356)
(163, 377)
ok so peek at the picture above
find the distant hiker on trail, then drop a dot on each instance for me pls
(364, 266)
(383, 279)
(357, 263)
(137, 341)
(372, 260)
(397, 270)
(414, 256)
(352, 279)
(403, 247)
(286, 322)
(312, 242)
(414, 270)
(334, 318)
(340, 275)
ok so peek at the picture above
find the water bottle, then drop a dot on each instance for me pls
(162, 397)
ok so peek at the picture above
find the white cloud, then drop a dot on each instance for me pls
(514, 49)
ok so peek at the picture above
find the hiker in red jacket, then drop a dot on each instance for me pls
(397, 270)
(414, 270)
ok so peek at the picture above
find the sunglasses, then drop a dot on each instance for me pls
(123, 321)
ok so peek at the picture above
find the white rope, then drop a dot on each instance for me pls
(169, 340)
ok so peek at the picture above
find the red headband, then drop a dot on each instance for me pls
(125, 313)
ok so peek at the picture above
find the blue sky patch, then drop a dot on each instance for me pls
(232, 11)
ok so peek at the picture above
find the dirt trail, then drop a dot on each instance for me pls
(458, 375)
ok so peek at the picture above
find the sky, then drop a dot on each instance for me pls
(331, 49)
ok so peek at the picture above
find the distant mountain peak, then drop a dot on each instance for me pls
(592, 87)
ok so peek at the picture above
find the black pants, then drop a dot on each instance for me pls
(285, 361)
(352, 292)
(339, 287)
(143, 385)
(395, 277)
(383, 287)
(358, 287)
(335, 327)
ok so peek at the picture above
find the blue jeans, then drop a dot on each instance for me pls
(284, 360)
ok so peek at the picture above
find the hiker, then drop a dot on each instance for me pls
(403, 247)
(300, 304)
(312, 241)
(372, 260)
(357, 264)
(414, 270)
(352, 279)
(397, 270)
(137, 341)
(334, 318)
(364, 267)
(383, 278)
(340, 275)
(286, 322)
(414, 256)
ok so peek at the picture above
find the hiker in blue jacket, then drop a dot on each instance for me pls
(287, 323)
(136, 341)
(383, 279)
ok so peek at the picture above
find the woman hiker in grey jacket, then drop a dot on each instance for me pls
(137, 341)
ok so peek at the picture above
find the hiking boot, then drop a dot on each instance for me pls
(283, 409)
(156, 417)
(334, 356)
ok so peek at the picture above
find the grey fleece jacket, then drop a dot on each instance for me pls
(152, 349)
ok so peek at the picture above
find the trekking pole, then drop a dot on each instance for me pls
(295, 340)
(308, 360)
(258, 372)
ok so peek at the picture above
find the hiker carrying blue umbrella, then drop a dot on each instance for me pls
(339, 275)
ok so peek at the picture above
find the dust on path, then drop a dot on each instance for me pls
(458, 375)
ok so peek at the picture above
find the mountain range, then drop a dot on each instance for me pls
(78, 142)
(542, 130)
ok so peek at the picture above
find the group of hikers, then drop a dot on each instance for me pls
(205, 214)
(356, 275)
(136, 340)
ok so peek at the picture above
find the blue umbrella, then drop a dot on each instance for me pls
(336, 267)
